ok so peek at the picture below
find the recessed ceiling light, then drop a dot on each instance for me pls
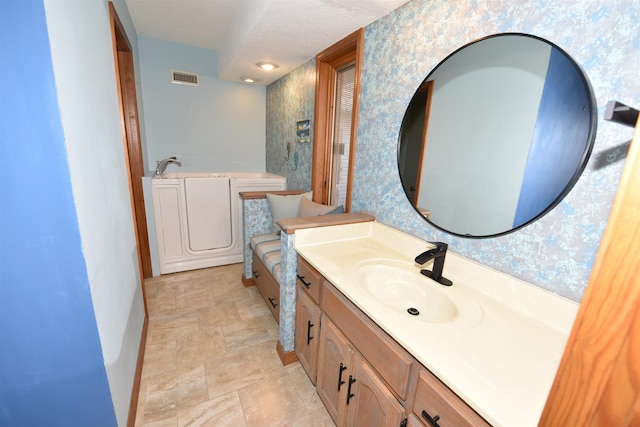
(248, 79)
(268, 66)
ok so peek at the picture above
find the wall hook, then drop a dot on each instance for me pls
(621, 113)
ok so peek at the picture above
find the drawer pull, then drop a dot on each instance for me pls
(274, 304)
(255, 274)
(342, 369)
(433, 421)
(349, 394)
(309, 326)
(306, 285)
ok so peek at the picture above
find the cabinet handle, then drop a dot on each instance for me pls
(274, 304)
(349, 394)
(309, 326)
(255, 274)
(433, 421)
(342, 369)
(306, 285)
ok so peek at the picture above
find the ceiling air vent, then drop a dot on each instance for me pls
(184, 78)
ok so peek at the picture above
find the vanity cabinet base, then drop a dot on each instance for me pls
(362, 375)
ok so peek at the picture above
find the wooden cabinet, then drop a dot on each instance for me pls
(309, 278)
(334, 359)
(268, 287)
(437, 405)
(307, 332)
(352, 392)
(307, 338)
(363, 376)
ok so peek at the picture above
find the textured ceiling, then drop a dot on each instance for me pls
(243, 32)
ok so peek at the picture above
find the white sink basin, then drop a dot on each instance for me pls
(399, 287)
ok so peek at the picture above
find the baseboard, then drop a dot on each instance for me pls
(248, 282)
(135, 391)
(286, 357)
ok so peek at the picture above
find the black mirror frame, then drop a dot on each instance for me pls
(591, 136)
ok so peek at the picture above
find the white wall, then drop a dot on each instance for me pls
(218, 126)
(82, 53)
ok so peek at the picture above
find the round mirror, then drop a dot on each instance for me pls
(496, 135)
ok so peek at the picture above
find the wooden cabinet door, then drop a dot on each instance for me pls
(334, 360)
(370, 403)
(307, 332)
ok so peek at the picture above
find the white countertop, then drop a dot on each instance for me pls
(500, 354)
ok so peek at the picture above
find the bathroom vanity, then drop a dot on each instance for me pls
(481, 352)
(198, 217)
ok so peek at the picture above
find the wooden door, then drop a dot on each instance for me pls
(371, 404)
(334, 363)
(598, 382)
(307, 333)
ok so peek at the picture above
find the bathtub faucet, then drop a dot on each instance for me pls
(436, 254)
(162, 164)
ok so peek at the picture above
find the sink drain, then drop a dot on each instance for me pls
(413, 311)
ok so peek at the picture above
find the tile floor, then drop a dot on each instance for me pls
(210, 358)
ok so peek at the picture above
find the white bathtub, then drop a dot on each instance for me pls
(196, 220)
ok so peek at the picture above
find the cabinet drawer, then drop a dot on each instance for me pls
(385, 355)
(307, 336)
(309, 278)
(436, 400)
(267, 286)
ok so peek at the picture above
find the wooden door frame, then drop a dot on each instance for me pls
(425, 87)
(127, 98)
(328, 62)
(598, 382)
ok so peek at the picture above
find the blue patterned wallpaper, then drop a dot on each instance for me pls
(289, 100)
(558, 251)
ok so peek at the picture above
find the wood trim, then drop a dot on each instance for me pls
(427, 87)
(248, 282)
(322, 116)
(129, 121)
(290, 225)
(350, 49)
(250, 195)
(286, 357)
(358, 53)
(598, 382)
(135, 391)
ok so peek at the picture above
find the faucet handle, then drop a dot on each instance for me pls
(440, 246)
(440, 249)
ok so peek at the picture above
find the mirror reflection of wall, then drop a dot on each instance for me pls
(506, 136)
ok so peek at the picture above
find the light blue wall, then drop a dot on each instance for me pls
(557, 252)
(218, 126)
(289, 100)
(52, 370)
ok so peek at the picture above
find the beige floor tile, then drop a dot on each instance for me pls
(199, 345)
(194, 299)
(167, 422)
(250, 332)
(174, 326)
(318, 418)
(219, 316)
(222, 411)
(273, 401)
(231, 371)
(210, 358)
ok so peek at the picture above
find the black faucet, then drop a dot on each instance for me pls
(437, 254)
